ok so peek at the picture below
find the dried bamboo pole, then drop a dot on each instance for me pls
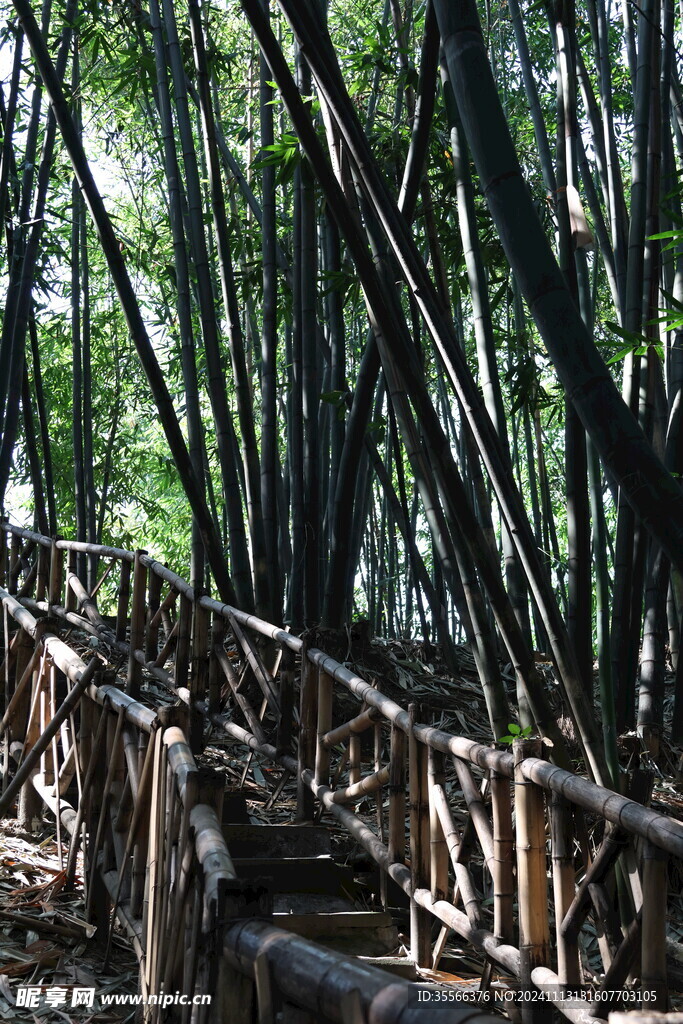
(182, 651)
(653, 941)
(478, 813)
(217, 641)
(114, 730)
(137, 626)
(612, 845)
(200, 664)
(263, 677)
(308, 716)
(354, 758)
(140, 812)
(285, 722)
(317, 979)
(503, 857)
(420, 923)
(122, 604)
(368, 784)
(42, 566)
(562, 849)
(14, 564)
(56, 576)
(42, 573)
(70, 602)
(3, 551)
(169, 646)
(532, 894)
(29, 763)
(438, 849)
(78, 830)
(464, 883)
(222, 659)
(165, 607)
(359, 724)
(151, 920)
(397, 796)
(325, 698)
(153, 605)
(20, 688)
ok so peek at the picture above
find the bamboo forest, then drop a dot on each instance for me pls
(341, 376)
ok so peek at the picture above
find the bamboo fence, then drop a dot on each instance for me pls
(149, 819)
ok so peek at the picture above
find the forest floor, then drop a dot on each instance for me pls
(67, 966)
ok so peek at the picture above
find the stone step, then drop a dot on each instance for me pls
(276, 840)
(298, 874)
(355, 932)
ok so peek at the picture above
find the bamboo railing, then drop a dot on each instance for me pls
(150, 819)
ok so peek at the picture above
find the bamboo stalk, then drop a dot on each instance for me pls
(438, 849)
(562, 850)
(397, 796)
(222, 659)
(70, 602)
(653, 941)
(137, 626)
(464, 884)
(263, 677)
(56, 574)
(359, 724)
(283, 741)
(420, 924)
(475, 806)
(308, 715)
(42, 566)
(104, 799)
(502, 865)
(122, 604)
(77, 835)
(325, 698)
(153, 605)
(200, 666)
(368, 784)
(354, 758)
(534, 943)
(217, 640)
(182, 651)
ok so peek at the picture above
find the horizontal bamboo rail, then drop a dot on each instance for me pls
(179, 638)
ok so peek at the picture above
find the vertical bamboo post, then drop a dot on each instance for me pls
(137, 625)
(182, 651)
(56, 575)
(503, 858)
(308, 716)
(420, 919)
(122, 604)
(438, 848)
(397, 795)
(44, 560)
(14, 564)
(200, 665)
(562, 842)
(532, 894)
(3, 551)
(153, 601)
(215, 674)
(322, 753)
(70, 599)
(354, 758)
(653, 933)
(283, 739)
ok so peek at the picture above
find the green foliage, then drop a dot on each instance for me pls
(516, 732)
